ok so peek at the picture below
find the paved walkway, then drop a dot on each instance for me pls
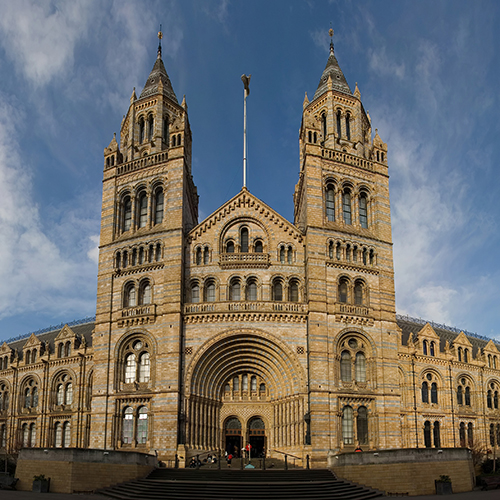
(28, 495)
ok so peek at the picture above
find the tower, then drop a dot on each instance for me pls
(342, 207)
(149, 203)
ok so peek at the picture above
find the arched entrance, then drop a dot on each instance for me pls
(233, 436)
(257, 436)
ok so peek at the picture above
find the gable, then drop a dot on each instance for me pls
(462, 340)
(65, 333)
(33, 341)
(428, 332)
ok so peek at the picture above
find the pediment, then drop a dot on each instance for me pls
(5, 349)
(65, 333)
(491, 347)
(428, 332)
(461, 339)
(33, 341)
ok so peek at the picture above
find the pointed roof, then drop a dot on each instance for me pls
(158, 73)
(332, 69)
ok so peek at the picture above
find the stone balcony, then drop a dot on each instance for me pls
(247, 260)
(350, 313)
(243, 306)
(137, 315)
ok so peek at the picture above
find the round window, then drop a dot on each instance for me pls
(138, 345)
(353, 343)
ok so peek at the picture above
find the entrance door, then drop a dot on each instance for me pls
(257, 436)
(233, 436)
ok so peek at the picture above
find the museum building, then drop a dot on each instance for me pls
(245, 327)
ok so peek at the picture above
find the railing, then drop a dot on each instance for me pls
(244, 259)
(244, 306)
(352, 310)
(293, 456)
(340, 156)
(146, 310)
(146, 161)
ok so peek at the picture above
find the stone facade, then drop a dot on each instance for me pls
(246, 327)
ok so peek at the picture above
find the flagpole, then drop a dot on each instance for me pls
(246, 90)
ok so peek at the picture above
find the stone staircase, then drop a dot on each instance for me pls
(227, 484)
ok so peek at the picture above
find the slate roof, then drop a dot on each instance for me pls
(332, 69)
(412, 326)
(158, 73)
(82, 330)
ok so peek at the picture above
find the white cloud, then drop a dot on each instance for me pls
(40, 37)
(35, 272)
(382, 64)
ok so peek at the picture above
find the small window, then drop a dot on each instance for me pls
(339, 123)
(425, 392)
(259, 248)
(159, 206)
(127, 213)
(433, 349)
(358, 293)
(251, 290)
(346, 205)
(323, 126)
(347, 425)
(343, 291)
(282, 255)
(142, 426)
(277, 291)
(363, 211)
(434, 393)
(198, 256)
(128, 426)
(360, 367)
(230, 247)
(210, 292)
(293, 291)
(330, 203)
(427, 434)
(244, 240)
(150, 127)
(425, 347)
(235, 290)
(348, 126)
(143, 209)
(206, 256)
(290, 255)
(166, 134)
(345, 367)
(141, 130)
(195, 293)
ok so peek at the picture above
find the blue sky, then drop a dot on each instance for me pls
(428, 73)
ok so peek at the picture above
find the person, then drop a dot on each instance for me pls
(192, 464)
(358, 449)
(229, 458)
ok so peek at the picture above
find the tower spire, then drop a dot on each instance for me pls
(160, 36)
(330, 32)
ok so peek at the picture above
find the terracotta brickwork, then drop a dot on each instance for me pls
(246, 327)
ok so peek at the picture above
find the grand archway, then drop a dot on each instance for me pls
(252, 378)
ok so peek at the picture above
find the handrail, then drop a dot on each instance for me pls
(288, 454)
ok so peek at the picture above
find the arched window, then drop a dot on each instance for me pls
(262, 387)
(142, 209)
(60, 394)
(195, 293)
(206, 256)
(489, 360)
(467, 396)
(330, 203)
(66, 435)
(145, 293)
(462, 435)
(142, 425)
(466, 355)
(230, 247)
(347, 425)
(27, 357)
(348, 126)
(244, 240)
(495, 400)
(470, 435)
(253, 383)
(159, 205)
(235, 290)
(427, 434)
(4, 397)
(282, 254)
(489, 401)
(437, 434)
(141, 130)
(166, 133)
(244, 383)
(198, 256)
(330, 250)
(309, 135)
(251, 290)
(345, 367)
(289, 255)
(150, 127)
(425, 347)
(362, 425)
(460, 396)
(126, 213)
(68, 394)
(358, 293)
(360, 367)
(33, 356)
(67, 349)
(459, 354)
(343, 290)
(434, 393)
(277, 291)
(3, 436)
(492, 434)
(425, 392)
(338, 251)
(346, 205)
(323, 125)
(130, 368)
(259, 248)
(144, 367)
(363, 210)
(60, 351)
(130, 299)
(128, 425)
(158, 252)
(433, 349)
(236, 384)
(339, 123)
(210, 291)
(293, 291)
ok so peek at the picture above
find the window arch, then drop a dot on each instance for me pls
(210, 291)
(339, 123)
(323, 125)
(289, 255)
(432, 348)
(235, 289)
(343, 290)
(348, 126)
(464, 392)
(142, 209)
(360, 367)
(136, 361)
(126, 218)
(129, 295)
(258, 246)
(425, 347)
(345, 367)
(293, 291)
(29, 392)
(277, 290)
(159, 201)
(358, 293)
(141, 130)
(363, 210)
(206, 256)
(466, 355)
(195, 292)
(145, 292)
(346, 206)
(198, 256)
(251, 289)
(63, 390)
(244, 240)
(330, 202)
(425, 392)
(150, 127)
(230, 247)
